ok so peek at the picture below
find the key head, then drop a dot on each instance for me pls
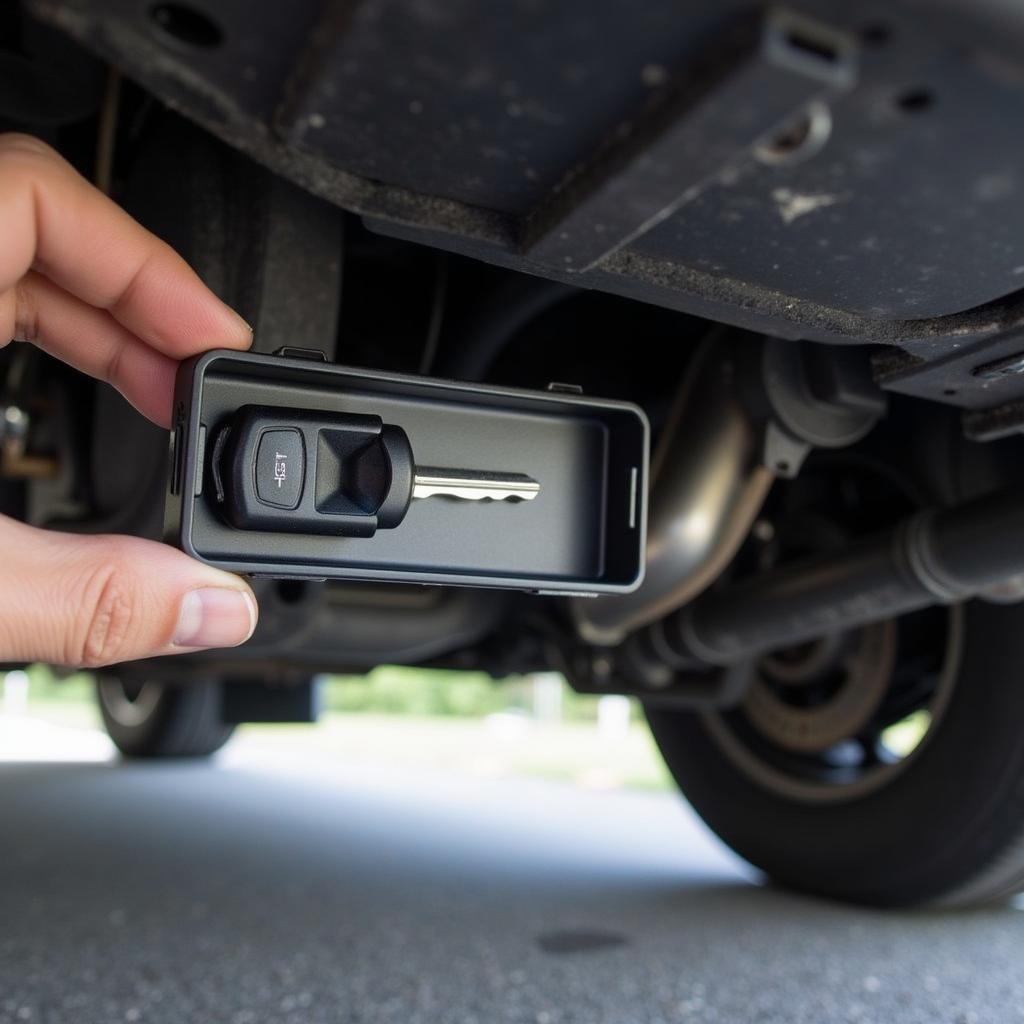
(300, 471)
(400, 474)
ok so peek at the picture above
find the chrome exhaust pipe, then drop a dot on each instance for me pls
(708, 485)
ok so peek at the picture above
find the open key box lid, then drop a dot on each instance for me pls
(584, 533)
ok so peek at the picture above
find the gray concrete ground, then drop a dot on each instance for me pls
(243, 892)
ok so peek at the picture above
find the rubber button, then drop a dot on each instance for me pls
(280, 468)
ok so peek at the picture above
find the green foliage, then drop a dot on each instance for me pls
(389, 689)
(393, 690)
(415, 691)
(44, 684)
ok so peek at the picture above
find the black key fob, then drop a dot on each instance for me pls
(307, 472)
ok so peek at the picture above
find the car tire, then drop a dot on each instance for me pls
(946, 828)
(156, 719)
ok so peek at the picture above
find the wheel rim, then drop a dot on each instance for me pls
(842, 753)
(130, 703)
(808, 700)
(842, 716)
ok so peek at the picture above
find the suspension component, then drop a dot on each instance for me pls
(934, 557)
(749, 410)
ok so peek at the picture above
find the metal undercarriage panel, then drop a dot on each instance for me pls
(828, 170)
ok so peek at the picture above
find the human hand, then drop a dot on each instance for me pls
(83, 281)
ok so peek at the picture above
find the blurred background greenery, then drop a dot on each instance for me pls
(532, 726)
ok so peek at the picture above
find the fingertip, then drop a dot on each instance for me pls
(248, 331)
(238, 332)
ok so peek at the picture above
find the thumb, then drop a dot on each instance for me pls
(88, 601)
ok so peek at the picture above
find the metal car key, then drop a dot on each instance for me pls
(302, 471)
(469, 485)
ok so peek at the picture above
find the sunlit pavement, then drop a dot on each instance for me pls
(275, 888)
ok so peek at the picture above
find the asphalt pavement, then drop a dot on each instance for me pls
(245, 892)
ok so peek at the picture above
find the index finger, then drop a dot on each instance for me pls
(59, 224)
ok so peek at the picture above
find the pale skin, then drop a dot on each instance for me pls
(83, 281)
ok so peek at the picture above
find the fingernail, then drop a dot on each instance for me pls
(245, 323)
(238, 319)
(215, 617)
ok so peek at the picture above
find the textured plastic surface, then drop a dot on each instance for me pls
(584, 533)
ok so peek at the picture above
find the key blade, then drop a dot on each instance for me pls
(467, 486)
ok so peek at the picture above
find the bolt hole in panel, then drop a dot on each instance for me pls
(187, 26)
(584, 532)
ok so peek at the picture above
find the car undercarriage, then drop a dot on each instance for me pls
(794, 236)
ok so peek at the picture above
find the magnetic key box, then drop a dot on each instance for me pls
(295, 468)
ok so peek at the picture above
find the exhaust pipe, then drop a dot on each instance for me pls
(708, 486)
(934, 557)
(745, 405)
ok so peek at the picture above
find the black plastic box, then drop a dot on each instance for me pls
(584, 533)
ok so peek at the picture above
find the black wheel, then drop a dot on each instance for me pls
(882, 765)
(152, 718)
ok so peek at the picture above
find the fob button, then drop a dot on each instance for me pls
(280, 468)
